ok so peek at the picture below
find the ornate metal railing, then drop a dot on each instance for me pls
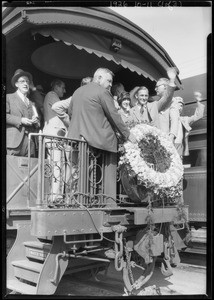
(70, 173)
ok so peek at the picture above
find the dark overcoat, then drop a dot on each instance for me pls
(95, 118)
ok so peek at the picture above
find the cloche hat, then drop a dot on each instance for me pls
(19, 73)
(123, 96)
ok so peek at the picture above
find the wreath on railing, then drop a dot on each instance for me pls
(153, 163)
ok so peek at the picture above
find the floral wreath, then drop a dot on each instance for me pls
(153, 161)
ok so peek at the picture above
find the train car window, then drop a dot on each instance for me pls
(196, 158)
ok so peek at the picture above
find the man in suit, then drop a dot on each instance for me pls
(144, 111)
(168, 115)
(53, 125)
(95, 119)
(94, 116)
(61, 107)
(185, 122)
(21, 116)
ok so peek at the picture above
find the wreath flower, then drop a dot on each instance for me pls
(153, 162)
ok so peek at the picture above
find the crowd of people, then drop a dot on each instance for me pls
(96, 112)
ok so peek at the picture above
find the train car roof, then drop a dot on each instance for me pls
(93, 34)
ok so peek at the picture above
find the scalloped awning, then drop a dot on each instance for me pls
(89, 31)
(69, 54)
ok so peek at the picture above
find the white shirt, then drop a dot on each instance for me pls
(53, 124)
(61, 107)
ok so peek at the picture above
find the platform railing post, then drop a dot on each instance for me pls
(28, 191)
(40, 166)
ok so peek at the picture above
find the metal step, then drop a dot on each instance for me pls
(199, 235)
(21, 287)
(37, 250)
(27, 270)
(196, 251)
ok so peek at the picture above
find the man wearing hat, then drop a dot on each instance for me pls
(184, 122)
(150, 111)
(168, 114)
(21, 116)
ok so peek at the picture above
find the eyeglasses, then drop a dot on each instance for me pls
(159, 85)
(23, 81)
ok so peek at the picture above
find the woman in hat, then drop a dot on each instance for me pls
(21, 116)
(124, 101)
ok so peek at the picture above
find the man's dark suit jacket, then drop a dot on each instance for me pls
(95, 117)
(15, 110)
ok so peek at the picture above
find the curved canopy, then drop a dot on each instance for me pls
(66, 59)
(84, 38)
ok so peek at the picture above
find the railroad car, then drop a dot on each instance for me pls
(93, 221)
(85, 226)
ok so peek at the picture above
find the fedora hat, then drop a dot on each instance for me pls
(19, 73)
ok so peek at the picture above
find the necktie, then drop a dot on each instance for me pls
(26, 101)
(142, 110)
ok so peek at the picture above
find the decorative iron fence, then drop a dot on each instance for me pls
(70, 173)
